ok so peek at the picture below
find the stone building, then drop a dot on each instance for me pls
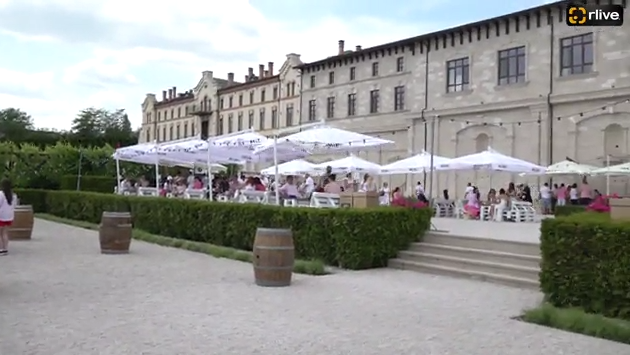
(525, 84)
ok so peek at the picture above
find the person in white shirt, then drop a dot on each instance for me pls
(469, 189)
(383, 198)
(8, 200)
(309, 185)
(545, 197)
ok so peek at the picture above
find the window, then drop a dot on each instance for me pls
(172, 113)
(274, 117)
(159, 116)
(262, 95)
(170, 133)
(312, 81)
(230, 123)
(239, 121)
(192, 128)
(457, 75)
(187, 110)
(576, 55)
(164, 134)
(293, 88)
(185, 130)
(240, 100)
(251, 97)
(312, 110)
(221, 103)
(352, 104)
(220, 126)
(288, 90)
(148, 136)
(375, 69)
(275, 92)
(512, 66)
(331, 78)
(230, 102)
(177, 132)
(250, 119)
(330, 107)
(400, 64)
(289, 115)
(399, 98)
(179, 112)
(353, 73)
(374, 101)
(261, 119)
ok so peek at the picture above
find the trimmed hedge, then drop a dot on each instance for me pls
(104, 184)
(567, 210)
(586, 263)
(350, 238)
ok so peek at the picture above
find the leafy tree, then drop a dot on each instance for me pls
(13, 123)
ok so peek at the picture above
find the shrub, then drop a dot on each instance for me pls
(351, 238)
(568, 210)
(586, 262)
(105, 184)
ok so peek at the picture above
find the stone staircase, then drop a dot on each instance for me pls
(503, 262)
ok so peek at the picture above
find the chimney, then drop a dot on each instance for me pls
(174, 91)
(341, 44)
(163, 95)
(230, 78)
(358, 48)
(170, 94)
(270, 67)
(251, 72)
(266, 73)
(246, 78)
(207, 74)
(261, 71)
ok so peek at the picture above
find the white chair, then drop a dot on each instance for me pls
(459, 209)
(195, 194)
(443, 208)
(324, 200)
(252, 196)
(291, 203)
(223, 198)
(484, 212)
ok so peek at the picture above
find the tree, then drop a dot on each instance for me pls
(14, 123)
(94, 126)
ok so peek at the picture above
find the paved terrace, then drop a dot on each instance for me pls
(58, 295)
(521, 232)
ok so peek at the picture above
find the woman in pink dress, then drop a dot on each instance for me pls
(472, 207)
(599, 204)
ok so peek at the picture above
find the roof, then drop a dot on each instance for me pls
(433, 35)
(188, 96)
(249, 84)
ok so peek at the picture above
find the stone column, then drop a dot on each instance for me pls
(411, 140)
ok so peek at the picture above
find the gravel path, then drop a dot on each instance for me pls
(58, 295)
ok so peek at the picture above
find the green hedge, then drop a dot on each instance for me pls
(586, 263)
(105, 184)
(568, 210)
(350, 238)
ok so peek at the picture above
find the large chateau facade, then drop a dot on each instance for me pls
(525, 84)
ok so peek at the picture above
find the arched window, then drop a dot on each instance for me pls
(482, 142)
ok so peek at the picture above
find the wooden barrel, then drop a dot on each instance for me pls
(115, 232)
(274, 256)
(22, 227)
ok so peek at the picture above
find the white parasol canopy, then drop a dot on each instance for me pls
(492, 160)
(351, 164)
(620, 169)
(329, 139)
(415, 164)
(567, 167)
(294, 167)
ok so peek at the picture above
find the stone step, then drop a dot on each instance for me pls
(498, 245)
(436, 269)
(477, 254)
(482, 266)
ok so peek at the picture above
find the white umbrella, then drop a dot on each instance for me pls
(294, 167)
(329, 139)
(621, 169)
(415, 164)
(567, 167)
(492, 160)
(351, 164)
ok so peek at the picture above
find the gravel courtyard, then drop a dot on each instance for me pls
(58, 295)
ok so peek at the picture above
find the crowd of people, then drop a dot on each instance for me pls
(549, 197)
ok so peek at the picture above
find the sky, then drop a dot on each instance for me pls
(60, 56)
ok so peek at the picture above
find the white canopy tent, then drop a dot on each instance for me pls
(567, 167)
(294, 167)
(419, 163)
(491, 160)
(615, 170)
(351, 164)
